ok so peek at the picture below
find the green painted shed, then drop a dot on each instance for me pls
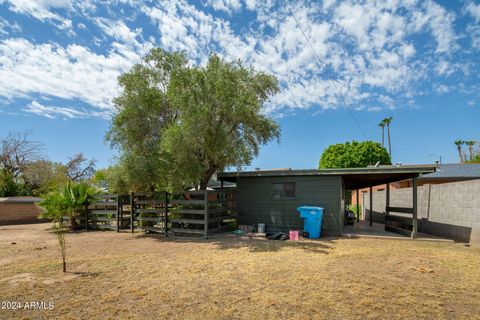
(272, 196)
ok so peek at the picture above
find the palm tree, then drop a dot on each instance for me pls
(387, 122)
(470, 145)
(68, 201)
(382, 125)
(459, 144)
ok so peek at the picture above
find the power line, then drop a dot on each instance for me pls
(339, 93)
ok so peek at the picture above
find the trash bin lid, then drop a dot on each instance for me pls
(310, 208)
(310, 212)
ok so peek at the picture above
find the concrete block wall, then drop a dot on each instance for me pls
(455, 204)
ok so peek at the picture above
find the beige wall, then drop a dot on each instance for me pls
(456, 203)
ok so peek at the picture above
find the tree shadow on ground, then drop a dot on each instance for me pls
(228, 241)
(83, 274)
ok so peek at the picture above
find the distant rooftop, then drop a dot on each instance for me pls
(19, 199)
(455, 170)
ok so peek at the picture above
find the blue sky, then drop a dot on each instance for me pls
(418, 61)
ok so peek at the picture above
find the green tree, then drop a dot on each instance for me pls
(43, 176)
(143, 111)
(176, 125)
(470, 145)
(11, 186)
(54, 206)
(354, 155)
(222, 124)
(459, 144)
(476, 159)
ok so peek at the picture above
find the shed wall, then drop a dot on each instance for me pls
(255, 205)
(19, 213)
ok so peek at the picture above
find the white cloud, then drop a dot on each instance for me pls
(369, 49)
(443, 68)
(441, 88)
(119, 30)
(473, 29)
(40, 9)
(441, 25)
(225, 5)
(474, 11)
(73, 72)
(6, 26)
(62, 112)
(250, 4)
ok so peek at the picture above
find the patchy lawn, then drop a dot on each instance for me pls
(139, 276)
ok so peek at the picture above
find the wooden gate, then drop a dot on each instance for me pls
(104, 213)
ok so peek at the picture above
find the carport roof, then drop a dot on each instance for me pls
(354, 178)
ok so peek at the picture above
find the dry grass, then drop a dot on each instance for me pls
(137, 276)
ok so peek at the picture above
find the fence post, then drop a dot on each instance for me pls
(206, 214)
(86, 217)
(358, 204)
(371, 206)
(387, 199)
(414, 208)
(132, 211)
(118, 213)
(165, 217)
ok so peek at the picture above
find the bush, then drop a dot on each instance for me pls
(354, 155)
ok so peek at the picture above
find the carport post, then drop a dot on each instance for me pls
(371, 206)
(387, 199)
(414, 222)
(358, 205)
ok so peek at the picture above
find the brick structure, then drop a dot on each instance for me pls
(20, 210)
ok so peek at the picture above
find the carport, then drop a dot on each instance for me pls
(401, 220)
(272, 196)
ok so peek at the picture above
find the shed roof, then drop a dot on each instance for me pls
(19, 199)
(354, 178)
(455, 171)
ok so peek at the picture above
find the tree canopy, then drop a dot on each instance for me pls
(354, 155)
(176, 125)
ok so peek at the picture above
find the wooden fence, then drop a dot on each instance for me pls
(200, 213)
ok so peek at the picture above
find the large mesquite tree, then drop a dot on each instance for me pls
(184, 123)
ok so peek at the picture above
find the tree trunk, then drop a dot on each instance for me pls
(389, 143)
(470, 149)
(383, 137)
(459, 148)
(73, 222)
(206, 177)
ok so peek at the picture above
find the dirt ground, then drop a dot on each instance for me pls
(141, 276)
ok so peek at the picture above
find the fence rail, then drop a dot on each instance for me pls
(189, 213)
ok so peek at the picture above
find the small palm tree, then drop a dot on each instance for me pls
(470, 145)
(76, 196)
(68, 201)
(459, 144)
(382, 125)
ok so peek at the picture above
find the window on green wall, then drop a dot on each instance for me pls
(282, 190)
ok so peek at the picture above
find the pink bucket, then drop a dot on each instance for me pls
(293, 234)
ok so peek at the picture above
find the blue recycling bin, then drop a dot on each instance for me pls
(312, 220)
